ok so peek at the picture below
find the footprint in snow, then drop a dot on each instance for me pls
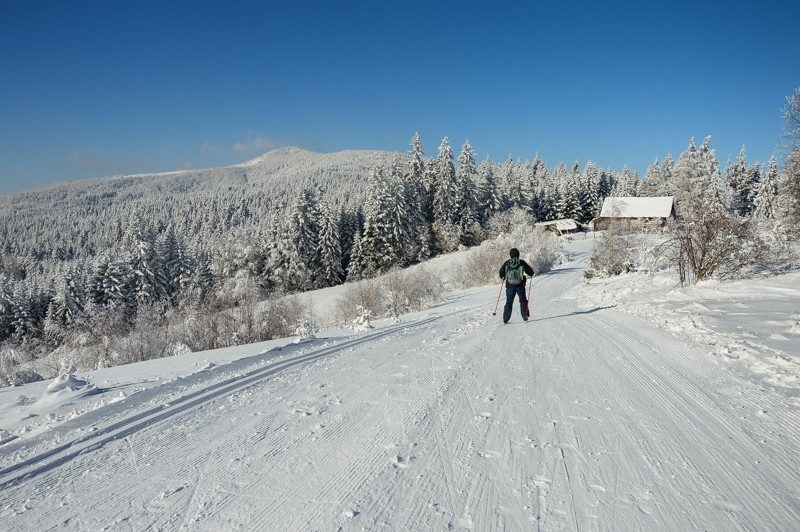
(402, 462)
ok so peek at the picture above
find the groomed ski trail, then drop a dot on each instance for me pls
(582, 419)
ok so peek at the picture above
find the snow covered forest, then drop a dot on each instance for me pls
(92, 268)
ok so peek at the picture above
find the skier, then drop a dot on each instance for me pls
(513, 271)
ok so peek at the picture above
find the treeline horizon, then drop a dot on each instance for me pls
(112, 257)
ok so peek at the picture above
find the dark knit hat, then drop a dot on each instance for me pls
(514, 253)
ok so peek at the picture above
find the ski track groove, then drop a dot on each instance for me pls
(681, 398)
(172, 437)
(575, 423)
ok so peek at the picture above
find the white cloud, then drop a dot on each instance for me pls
(257, 143)
(90, 163)
(213, 149)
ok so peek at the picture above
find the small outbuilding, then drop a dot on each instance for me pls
(559, 227)
(635, 212)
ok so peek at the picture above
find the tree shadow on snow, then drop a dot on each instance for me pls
(576, 313)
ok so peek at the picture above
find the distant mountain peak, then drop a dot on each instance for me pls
(277, 153)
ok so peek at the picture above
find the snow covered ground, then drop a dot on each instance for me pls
(623, 404)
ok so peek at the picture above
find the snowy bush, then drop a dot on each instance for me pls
(410, 290)
(361, 321)
(711, 242)
(364, 294)
(612, 254)
(509, 220)
(11, 374)
(541, 250)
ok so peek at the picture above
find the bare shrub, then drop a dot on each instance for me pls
(612, 254)
(544, 251)
(506, 221)
(148, 340)
(482, 264)
(287, 315)
(712, 242)
(12, 371)
(366, 294)
(541, 250)
(410, 290)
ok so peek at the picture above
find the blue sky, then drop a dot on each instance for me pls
(92, 89)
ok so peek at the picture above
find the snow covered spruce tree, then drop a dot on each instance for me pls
(790, 191)
(419, 203)
(377, 254)
(329, 249)
(790, 180)
(697, 175)
(444, 199)
(766, 201)
(149, 277)
(295, 248)
(66, 308)
(6, 307)
(489, 194)
(591, 183)
(653, 183)
(743, 184)
(466, 198)
(178, 264)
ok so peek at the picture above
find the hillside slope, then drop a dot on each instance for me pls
(585, 418)
(278, 171)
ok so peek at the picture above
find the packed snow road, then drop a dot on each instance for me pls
(580, 419)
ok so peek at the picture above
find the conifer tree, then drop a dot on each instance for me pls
(66, 307)
(510, 183)
(401, 220)
(178, 265)
(350, 225)
(355, 268)
(6, 307)
(570, 195)
(304, 223)
(668, 175)
(766, 202)
(691, 180)
(329, 249)
(149, 277)
(99, 287)
(418, 204)
(790, 191)
(625, 184)
(288, 271)
(376, 242)
(466, 197)
(653, 183)
(594, 203)
(24, 322)
(445, 193)
(490, 195)
(739, 179)
(419, 199)
(203, 282)
(444, 199)
(560, 179)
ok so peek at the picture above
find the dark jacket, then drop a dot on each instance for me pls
(525, 267)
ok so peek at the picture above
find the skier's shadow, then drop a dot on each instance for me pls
(576, 313)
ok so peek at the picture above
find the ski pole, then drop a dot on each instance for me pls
(528, 301)
(498, 298)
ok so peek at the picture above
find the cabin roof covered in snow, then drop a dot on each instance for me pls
(629, 207)
(566, 224)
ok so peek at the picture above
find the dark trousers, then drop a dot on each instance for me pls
(511, 291)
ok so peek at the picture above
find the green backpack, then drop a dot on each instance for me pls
(514, 272)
